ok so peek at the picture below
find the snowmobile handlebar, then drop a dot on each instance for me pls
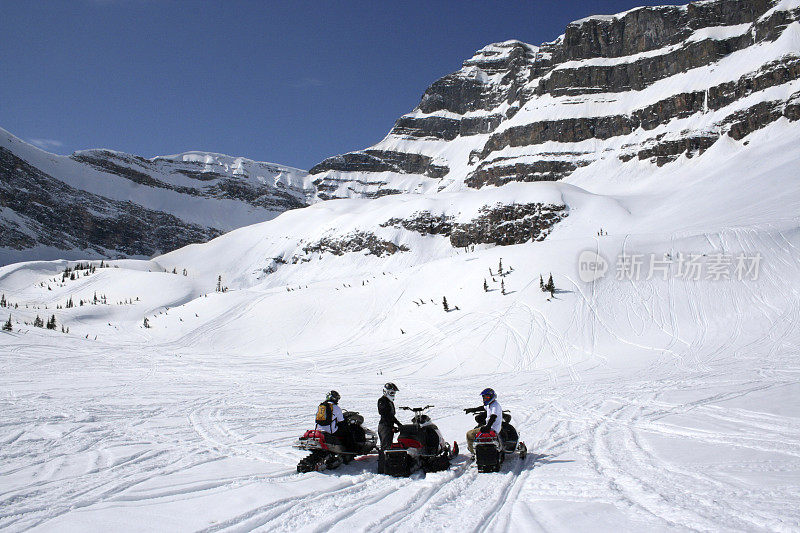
(416, 409)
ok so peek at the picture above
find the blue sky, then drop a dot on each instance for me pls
(288, 82)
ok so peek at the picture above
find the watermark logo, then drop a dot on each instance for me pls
(683, 266)
(591, 266)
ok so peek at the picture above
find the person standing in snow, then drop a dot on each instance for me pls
(331, 420)
(494, 418)
(388, 423)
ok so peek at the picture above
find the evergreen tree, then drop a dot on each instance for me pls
(146, 323)
(38, 322)
(550, 286)
(502, 286)
(541, 283)
(7, 326)
(3, 300)
(500, 267)
(485, 286)
(51, 323)
(444, 303)
(219, 283)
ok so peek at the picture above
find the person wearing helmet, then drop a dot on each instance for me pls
(494, 418)
(389, 422)
(330, 419)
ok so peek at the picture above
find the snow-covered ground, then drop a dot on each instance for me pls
(653, 403)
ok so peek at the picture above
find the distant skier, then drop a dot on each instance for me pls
(329, 416)
(494, 418)
(388, 423)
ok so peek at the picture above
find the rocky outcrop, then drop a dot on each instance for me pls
(504, 225)
(357, 241)
(497, 173)
(501, 224)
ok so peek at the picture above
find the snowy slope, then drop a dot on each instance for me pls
(193, 196)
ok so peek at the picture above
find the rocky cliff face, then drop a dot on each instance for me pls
(654, 85)
(110, 204)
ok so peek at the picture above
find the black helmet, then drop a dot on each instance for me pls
(333, 396)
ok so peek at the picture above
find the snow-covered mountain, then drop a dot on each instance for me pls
(656, 387)
(652, 84)
(111, 204)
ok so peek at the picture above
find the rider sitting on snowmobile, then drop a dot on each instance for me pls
(389, 422)
(330, 419)
(494, 418)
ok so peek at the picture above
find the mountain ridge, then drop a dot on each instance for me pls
(624, 83)
(56, 206)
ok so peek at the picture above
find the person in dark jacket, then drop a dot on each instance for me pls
(388, 423)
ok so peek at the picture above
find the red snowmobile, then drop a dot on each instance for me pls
(328, 451)
(419, 445)
(490, 453)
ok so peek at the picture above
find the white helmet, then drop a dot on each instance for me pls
(389, 390)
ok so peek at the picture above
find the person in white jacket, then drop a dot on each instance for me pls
(330, 419)
(494, 418)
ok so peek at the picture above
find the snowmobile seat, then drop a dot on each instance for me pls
(407, 431)
(331, 439)
(430, 440)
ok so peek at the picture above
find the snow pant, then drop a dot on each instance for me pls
(386, 435)
(344, 434)
(471, 434)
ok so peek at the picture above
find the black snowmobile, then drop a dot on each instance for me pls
(419, 445)
(328, 451)
(489, 453)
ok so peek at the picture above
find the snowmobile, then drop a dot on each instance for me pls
(419, 445)
(328, 451)
(489, 453)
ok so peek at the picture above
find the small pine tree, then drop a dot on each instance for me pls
(51, 323)
(146, 323)
(502, 286)
(7, 326)
(485, 286)
(38, 322)
(550, 286)
(3, 300)
(444, 303)
(500, 267)
(219, 283)
(541, 283)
